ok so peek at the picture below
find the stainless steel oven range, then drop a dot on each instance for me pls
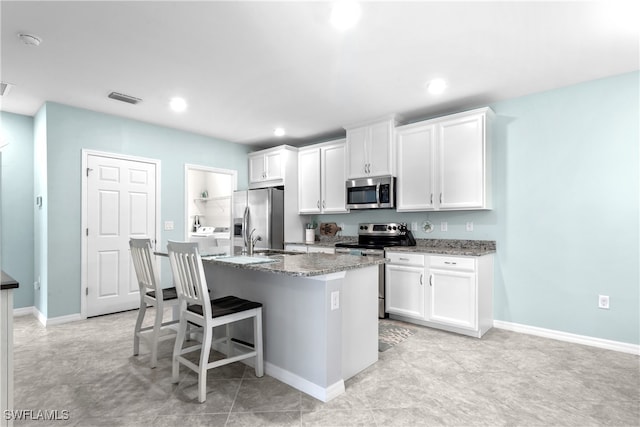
(372, 239)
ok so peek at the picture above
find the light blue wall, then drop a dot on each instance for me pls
(565, 217)
(17, 204)
(69, 130)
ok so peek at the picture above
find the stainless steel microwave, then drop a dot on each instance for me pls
(377, 192)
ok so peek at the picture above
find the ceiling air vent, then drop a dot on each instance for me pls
(124, 98)
(5, 88)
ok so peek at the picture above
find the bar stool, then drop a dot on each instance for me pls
(197, 308)
(151, 295)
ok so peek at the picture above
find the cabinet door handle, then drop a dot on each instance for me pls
(440, 198)
(318, 204)
(431, 280)
(431, 201)
(421, 274)
(324, 204)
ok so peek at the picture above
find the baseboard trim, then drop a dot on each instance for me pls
(50, 321)
(324, 394)
(24, 311)
(295, 381)
(568, 337)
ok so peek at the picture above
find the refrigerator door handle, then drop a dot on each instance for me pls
(245, 227)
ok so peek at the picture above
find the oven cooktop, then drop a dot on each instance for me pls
(381, 235)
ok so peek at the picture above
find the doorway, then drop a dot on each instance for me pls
(209, 207)
(120, 200)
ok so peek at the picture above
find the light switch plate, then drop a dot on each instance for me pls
(168, 225)
(444, 226)
(335, 300)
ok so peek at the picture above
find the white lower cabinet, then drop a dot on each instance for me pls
(404, 280)
(447, 292)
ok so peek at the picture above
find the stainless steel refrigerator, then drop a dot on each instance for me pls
(261, 210)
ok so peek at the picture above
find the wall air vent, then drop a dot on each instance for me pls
(5, 88)
(124, 98)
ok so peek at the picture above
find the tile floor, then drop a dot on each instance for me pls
(433, 378)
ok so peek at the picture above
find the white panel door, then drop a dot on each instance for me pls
(121, 203)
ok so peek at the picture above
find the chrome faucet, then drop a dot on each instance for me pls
(252, 242)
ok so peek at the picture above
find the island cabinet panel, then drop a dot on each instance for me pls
(309, 343)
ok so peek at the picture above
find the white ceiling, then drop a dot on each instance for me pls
(248, 67)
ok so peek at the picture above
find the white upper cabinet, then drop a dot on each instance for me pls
(333, 177)
(444, 163)
(321, 178)
(463, 164)
(415, 183)
(371, 149)
(309, 180)
(267, 165)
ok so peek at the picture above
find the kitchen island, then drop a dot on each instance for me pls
(320, 314)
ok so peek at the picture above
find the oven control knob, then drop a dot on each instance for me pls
(388, 227)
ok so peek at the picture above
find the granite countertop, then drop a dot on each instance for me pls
(303, 265)
(326, 241)
(431, 246)
(450, 247)
(8, 282)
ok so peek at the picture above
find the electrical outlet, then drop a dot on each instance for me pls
(168, 225)
(469, 225)
(443, 226)
(335, 300)
(603, 301)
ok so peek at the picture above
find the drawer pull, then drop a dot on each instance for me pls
(450, 262)
(403, 259)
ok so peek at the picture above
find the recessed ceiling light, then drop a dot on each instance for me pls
(345, 14)
(178, 104)
(30, 39)
(278, 132)
(436, 86)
